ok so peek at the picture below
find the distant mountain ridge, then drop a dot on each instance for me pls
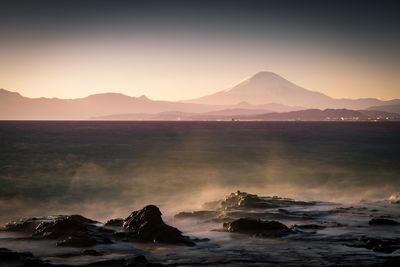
(268, 87)
(14, 106)
(229, 115)
(328, 115)
(265, 92)
(388, 108)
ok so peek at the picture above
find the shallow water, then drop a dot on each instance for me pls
(334, 242)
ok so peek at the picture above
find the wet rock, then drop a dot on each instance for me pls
(123, 236)
(63, 226)
(27, 225)
(77, 241)
(146, 225)
(377, 245)
(68, 230)
(245, 200)
(382, 221)
(395, 199)
(202, 214)
(19, 259)
(6, 254)
(115, 222)
(257, 227)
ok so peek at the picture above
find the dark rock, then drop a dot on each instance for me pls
(27, 225)
(6, 254)
(382, 221)
(146, 225)
(257, 227)
(77, 241)
(68, 230)
(201, 214)
(63, 226)
(73, 230)
(377, 245)
(115, 222)
(123, 236)
(245, 200)
(19, 259)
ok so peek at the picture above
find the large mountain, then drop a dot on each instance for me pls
(262, 93)
(268, 87)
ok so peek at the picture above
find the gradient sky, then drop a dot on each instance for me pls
(176, 50)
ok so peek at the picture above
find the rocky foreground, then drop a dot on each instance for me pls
(242, 229)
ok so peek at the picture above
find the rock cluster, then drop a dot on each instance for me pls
(68, 230)
(146, 225)
(377, 245)
(240, 199)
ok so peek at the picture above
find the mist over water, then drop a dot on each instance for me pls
(107, 169)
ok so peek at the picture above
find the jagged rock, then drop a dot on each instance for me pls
(147, 225)
(68, 230)
(257, 227)
(201, 214)
(73, 230)
(115, 222)
(245, 200)
(27, 225)
(64, 226)
(382, 221)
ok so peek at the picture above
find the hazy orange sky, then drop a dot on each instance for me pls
(180, 51)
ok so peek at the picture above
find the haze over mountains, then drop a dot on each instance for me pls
(268, 87)
(265, 92)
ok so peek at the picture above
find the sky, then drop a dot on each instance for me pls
(177, 50)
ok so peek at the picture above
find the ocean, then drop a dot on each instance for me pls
(55, 167)
(344, 174)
